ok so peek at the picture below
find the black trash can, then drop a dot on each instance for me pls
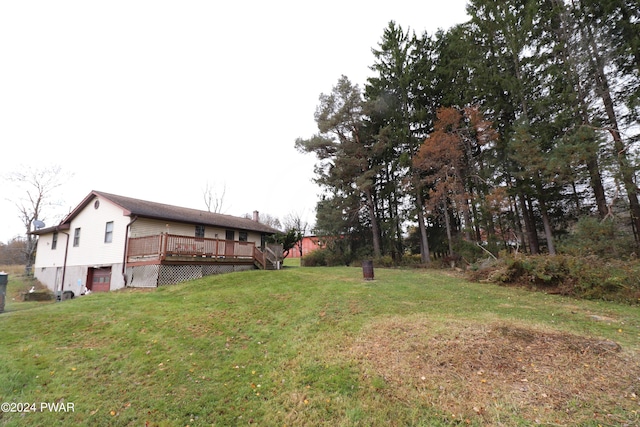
(367, 270)
(63, 296)
(4, 279)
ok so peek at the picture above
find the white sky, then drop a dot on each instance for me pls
(153, 99)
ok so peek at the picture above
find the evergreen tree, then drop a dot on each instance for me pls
(348, 156)
(398, 96)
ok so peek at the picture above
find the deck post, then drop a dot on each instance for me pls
(164, 238)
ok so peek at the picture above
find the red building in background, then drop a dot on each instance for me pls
(309, 244)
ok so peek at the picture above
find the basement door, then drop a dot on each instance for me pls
(99, 279)
(58, 284)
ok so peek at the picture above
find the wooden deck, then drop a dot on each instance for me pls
(174, 249)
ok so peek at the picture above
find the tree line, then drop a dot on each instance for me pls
(13, 252)
(503, 132)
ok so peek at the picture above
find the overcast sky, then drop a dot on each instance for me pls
(153, 99)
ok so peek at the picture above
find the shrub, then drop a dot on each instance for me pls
(316, 258)
(469, 251)
(384, 262)
(590, 236)
(588, 277)
(323, 258)
(412, 260)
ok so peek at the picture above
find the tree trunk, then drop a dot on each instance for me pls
(532, 235)
(466, 216)
(591, 160)
(548, 233)
(30, 253)
(425, 256)
(547, 228)
(513, 210)
(448, 226)
(375, 229)
(596, 184)
(476, 222)
(398, 230)
(534, 229)
(626, 169)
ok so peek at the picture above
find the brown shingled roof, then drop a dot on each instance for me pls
(161, 211)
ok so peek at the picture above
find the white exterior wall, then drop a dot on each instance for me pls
(91, 251)
(47, 257)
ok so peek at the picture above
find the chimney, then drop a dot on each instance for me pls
(256, 216)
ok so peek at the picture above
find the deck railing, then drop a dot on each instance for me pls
(259, 256)
(166, 245)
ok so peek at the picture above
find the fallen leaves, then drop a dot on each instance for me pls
(549, 369)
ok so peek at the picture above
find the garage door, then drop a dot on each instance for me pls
(100, 279)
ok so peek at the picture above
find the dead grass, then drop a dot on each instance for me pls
(501, 373)
(13, 269)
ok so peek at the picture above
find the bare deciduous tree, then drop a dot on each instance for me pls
(294, 221)
(37, 188)
(266, 219)
(213, 200)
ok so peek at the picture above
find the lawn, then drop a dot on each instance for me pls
(321, 346)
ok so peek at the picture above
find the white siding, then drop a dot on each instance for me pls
(48, 257)
(91, 251)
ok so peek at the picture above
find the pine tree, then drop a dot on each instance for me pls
(348, 167)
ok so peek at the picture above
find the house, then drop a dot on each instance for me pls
(109, 242)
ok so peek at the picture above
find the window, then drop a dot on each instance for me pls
(54, 241)
(230, 235)
(242, 236)
(108, 232)
(199, 230)
(76, 237)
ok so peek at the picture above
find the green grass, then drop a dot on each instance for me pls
(300, 346)
(291, 262)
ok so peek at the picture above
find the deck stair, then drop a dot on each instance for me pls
(269, 259)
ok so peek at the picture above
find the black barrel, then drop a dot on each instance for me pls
(367, 270)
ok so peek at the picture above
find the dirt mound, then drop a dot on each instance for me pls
(501, 372)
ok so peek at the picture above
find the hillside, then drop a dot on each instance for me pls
(312, 346)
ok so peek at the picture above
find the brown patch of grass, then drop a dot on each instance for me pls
(502, 372)
(281, 297)
(12, 269)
